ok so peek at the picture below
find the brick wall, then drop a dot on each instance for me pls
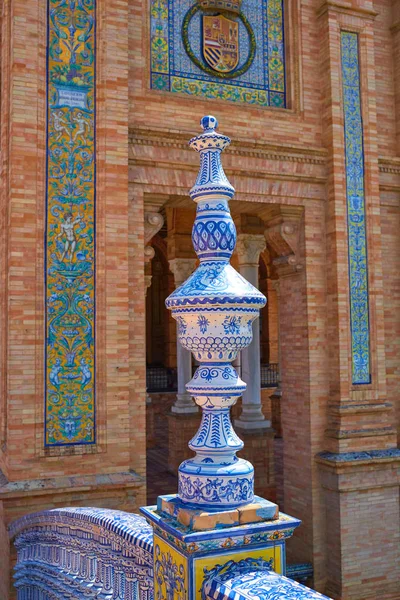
(390, 214)
(120, 451)
(364, 560)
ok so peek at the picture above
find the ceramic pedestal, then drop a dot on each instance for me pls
(184, 558)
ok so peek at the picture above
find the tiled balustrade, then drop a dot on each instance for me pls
(83, 553)
(106, 554)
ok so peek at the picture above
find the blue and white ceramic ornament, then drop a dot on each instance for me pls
(215, 308)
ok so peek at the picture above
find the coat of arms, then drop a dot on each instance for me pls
(220, 43)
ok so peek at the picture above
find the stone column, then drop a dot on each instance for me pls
(182, 268)
(249, 247)
(183, 420)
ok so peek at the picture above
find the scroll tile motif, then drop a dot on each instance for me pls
(358, 266)
(248, 65)
(70, 224)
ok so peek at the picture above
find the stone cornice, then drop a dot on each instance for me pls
(346, 8)
(241, 147)
(264, 174)
(164, 138)
(389, 164)
(58, 485)
(389, 168)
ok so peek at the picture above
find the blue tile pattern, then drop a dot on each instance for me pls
(177, 58)
(357, 242)
(364, 455)
(83, 553)
(248, 579)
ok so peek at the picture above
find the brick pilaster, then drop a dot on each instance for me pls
(358, 472)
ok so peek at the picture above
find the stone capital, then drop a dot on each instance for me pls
(181, 268)
(153, 221)
(249, 246)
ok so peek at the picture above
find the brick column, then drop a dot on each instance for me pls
(358, 468)
(287, 236)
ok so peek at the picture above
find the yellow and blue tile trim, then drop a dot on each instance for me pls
(178, 59)
(357, 238)
(184, 558)
(70, 224)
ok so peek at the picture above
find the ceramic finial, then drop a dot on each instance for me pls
(215, 308)
(209, 123)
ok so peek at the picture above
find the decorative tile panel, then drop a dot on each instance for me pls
(70, 224)
(205, 567)
(232, 51)
(170, 572)
(358, 266)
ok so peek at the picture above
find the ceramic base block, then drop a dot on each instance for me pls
(202, 520)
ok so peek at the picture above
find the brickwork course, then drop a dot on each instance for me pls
(335, 465)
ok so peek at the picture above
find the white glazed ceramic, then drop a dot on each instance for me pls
(214, 309)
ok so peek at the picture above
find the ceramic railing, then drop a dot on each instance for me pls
(253, 578)
(83, 553)
(71, 553)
